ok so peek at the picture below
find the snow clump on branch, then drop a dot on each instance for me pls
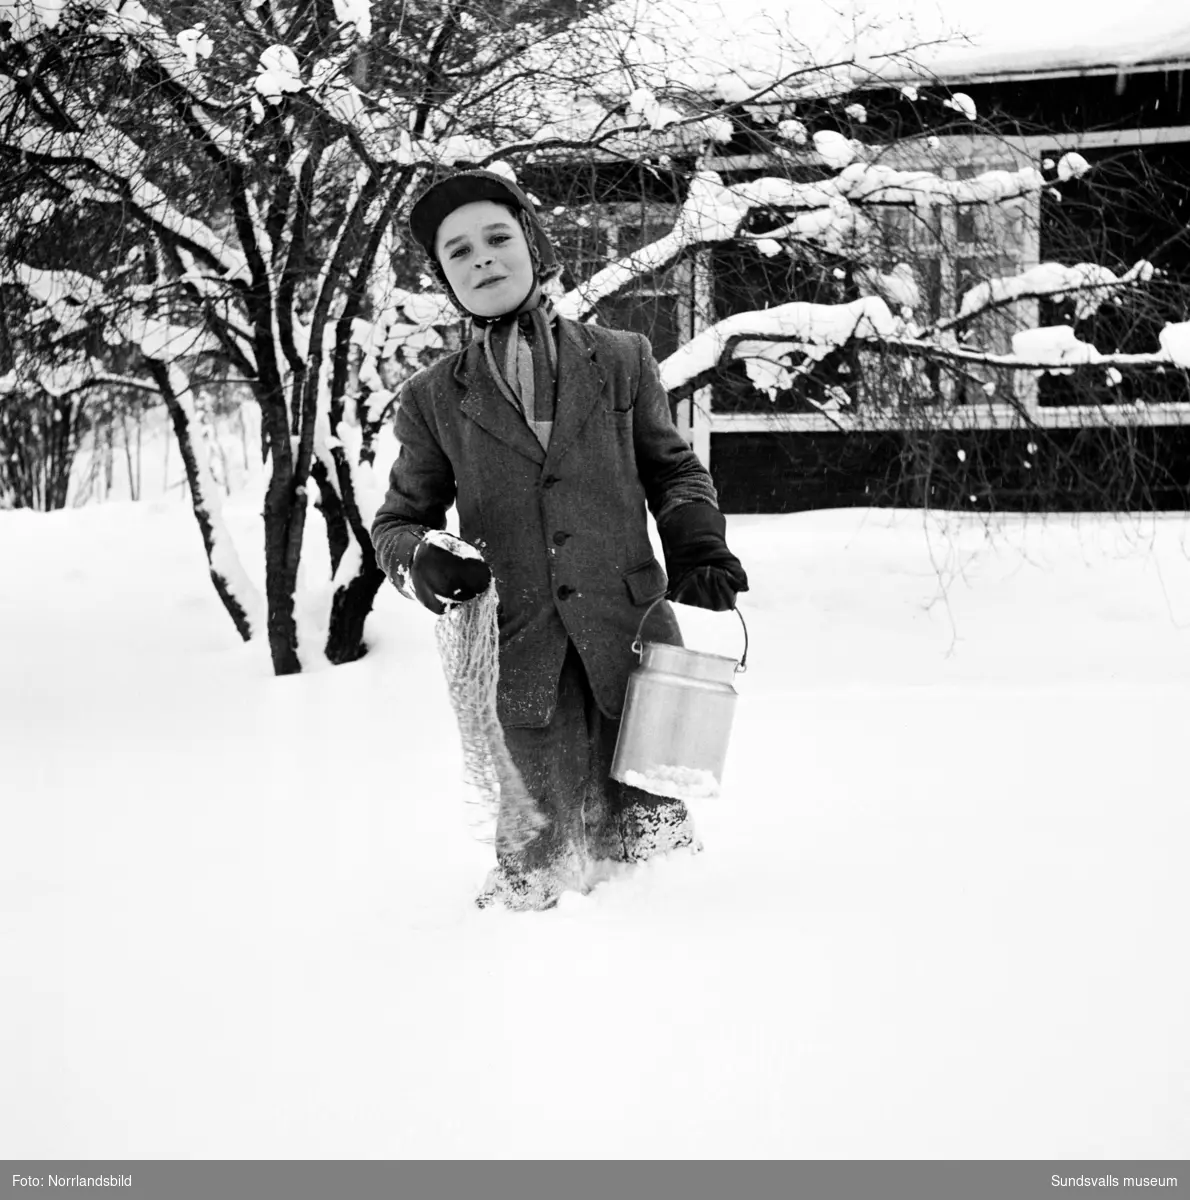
(963, 104)
(1089, 285)
(798, 323)
(357, 13)
(1072, 166)
(643, 103)
(794, 131)
(280, 73)
(195, 44)
(1175, 343)
(1054, 345)
(834, 149)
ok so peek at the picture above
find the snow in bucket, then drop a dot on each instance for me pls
(677, 782)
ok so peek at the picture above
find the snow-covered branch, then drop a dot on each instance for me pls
(1088, 284)
(1054, 349)
(766, 341)
(177, 58)
(799, 324)
(75, 301)
(118, 158)
(97, 378)
(827, 213)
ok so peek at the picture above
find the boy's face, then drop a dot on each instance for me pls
(485, 256)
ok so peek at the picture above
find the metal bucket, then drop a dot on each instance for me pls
(677, 719)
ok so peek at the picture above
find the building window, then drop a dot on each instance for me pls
(946, 249)
(951, 250)
(659, 305)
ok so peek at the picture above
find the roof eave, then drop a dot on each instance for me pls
(1022, 74)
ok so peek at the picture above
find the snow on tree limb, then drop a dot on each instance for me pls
(579, 301)
(1175, 343)
(75, 301)
(876, 183)
(798, 323)
(178, 60)
(871, 183)
(771, 335)
(118, 157)
(1056, 350)
(829, 216)
(64, 296)
(106, 379)
(1089, 284)
(826, 212)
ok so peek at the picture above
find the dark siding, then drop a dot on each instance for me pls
(1069, 470)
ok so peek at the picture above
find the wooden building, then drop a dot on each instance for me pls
(1007, 439)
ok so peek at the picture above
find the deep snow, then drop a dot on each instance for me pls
(941, 911)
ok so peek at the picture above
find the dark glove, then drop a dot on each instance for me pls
(439, 575)
(708, 587)
(702, 570)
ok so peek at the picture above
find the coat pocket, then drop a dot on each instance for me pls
(646, 582)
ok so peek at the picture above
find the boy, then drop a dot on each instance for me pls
(551, 437)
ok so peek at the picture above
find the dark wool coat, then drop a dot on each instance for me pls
(564, 530)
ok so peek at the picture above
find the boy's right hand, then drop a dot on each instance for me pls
(442, 577)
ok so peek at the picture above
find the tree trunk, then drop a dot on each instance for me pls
(62, 456)
(352, 601)
(139, 422)
(338, 535)
(132, 493)
(349, 613)
(281, 514)
(109, 454)
(198, 495)
(37, 446)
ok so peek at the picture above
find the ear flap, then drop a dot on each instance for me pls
(442, 197)
(541, 249)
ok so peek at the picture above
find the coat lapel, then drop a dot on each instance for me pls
(580, 384)
(484, 404)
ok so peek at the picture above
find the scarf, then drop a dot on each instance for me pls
(522, 355)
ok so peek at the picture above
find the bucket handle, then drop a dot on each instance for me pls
(638, 645)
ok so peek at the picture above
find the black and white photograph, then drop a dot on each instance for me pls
(598, 580)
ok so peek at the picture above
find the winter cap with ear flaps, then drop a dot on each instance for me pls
(440, 199)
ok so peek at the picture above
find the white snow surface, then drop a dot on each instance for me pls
(940, 912)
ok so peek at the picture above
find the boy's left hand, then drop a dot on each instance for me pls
(710, 587)
(702, 570)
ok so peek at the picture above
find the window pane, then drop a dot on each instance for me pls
(654, 316)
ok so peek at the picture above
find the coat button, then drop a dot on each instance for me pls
(549, 481)
(565, 592)
(560, 538)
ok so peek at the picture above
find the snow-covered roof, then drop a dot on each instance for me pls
(737, 48)
(1024, 37)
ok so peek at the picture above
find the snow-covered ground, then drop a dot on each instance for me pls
(941, 911)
